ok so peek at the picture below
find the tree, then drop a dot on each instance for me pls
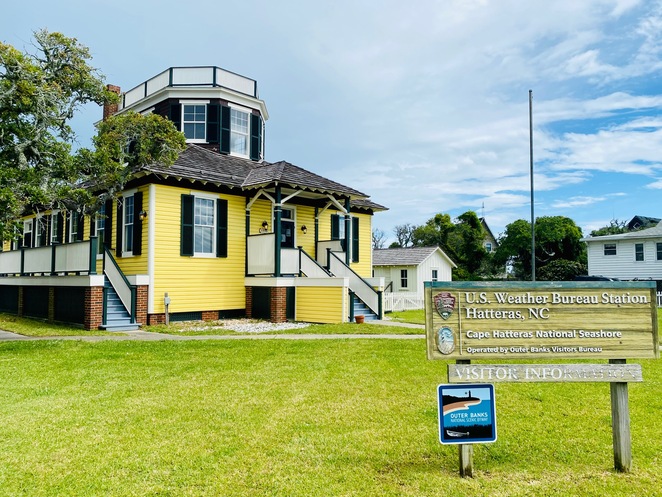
(615, 227)
(557, 238)
(403, 234)
(378, 239)
(462, 241)
(39, 95)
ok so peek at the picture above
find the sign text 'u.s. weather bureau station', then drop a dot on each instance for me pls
(598, 320)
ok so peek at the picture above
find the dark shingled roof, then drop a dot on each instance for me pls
(197, 163)
(409, 256)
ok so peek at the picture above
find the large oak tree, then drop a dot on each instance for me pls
(39, 168)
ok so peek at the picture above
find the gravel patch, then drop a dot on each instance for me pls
(252, 326)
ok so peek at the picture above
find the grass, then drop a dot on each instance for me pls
(36, 328)
(295, 418)
(414, 317)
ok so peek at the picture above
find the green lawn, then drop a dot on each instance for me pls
(415, 317)
(295, 418)
(36, 328)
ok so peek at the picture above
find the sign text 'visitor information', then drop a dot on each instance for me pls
(597, 320)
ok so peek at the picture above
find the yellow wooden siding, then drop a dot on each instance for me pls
(136, 264)
(364, 266)
(197, 283)
(260, 212)
(305, 216)
(320, 304)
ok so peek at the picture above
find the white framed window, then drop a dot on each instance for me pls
(239, 132)
(27, 233)
(128, 217)
(41, 229)
(638, 252)
(100, 227)
(488, 247)
(659, 251)
(74, 218)
(610, 249)
(204, 226)
(194, 122)
(435, 275)
(55, 227)
(403, 278)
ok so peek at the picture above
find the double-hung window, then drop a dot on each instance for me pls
(128, 220)
(610, 249)
(204, 227)
(27, 233)
(638, 252)
(435, 275)
(194, 122)
(41, 240)
(239, 132)
(74, 227)
(659, 251)
(100, 227)
(56, 228)
(403, 278)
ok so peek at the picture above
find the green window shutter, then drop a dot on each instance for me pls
(81, 226)
(221, 228)
(256, 137)
(335, 226)
(175, 115)
(60, 227)
(118, 233)
(137, 248)
(225, 130)
(213, 131)
(355, 239)
(108, 230)
(187, 225)
(65, 218)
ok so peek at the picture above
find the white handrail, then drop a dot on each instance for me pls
(356, 284)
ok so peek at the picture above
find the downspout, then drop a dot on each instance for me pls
(348, 226)
(317, 236)
(248, 232)
(277, 231)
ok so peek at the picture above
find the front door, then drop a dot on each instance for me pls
(287, 228)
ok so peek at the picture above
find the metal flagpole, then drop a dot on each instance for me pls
(533, 224)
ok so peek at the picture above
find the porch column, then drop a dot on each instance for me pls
(348, 226)
(248, 232)
(317, 235)
(277, 231)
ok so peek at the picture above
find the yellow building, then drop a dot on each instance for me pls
(221, 233)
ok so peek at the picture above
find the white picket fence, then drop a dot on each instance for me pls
(401, 301)
(659, 299)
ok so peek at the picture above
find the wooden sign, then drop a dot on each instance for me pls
(541, 320)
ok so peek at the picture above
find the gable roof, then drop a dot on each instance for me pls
(654, 232)
(200, 164)
(408, 256)
(642, 222)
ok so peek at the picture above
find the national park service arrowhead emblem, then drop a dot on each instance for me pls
(444, 302)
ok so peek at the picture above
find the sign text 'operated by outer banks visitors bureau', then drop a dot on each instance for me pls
(593, 320)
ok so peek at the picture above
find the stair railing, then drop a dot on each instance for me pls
(310, 267)
(370, 297)
(125, 290)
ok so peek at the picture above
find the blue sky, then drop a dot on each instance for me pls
(422, 105)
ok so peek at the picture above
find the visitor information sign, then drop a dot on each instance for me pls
(541, 320)
(466, 414)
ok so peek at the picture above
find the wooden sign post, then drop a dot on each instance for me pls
(612, 321)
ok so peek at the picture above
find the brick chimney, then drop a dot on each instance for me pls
(110, 109)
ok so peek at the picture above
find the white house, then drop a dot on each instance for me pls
(405, 269)
(627, 256)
